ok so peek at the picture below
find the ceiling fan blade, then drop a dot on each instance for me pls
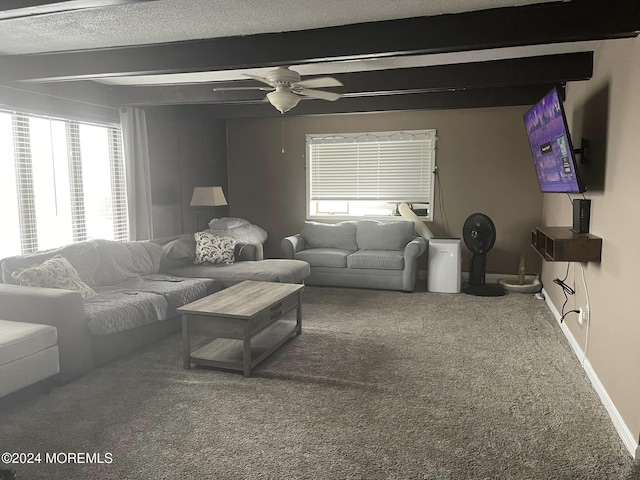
(322, 95)
(228, 89)
(33, 8)
(320, 82)
(260, 79)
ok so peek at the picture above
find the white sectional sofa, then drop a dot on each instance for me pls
(137, 287)
(28, 354)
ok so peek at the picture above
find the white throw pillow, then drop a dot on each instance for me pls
(56, 272)
(214, 249)
(227, 223)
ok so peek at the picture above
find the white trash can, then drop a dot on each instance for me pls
(445, 265)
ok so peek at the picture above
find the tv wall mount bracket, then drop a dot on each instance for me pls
(582, 151)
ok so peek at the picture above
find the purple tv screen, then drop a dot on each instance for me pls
(551, 146)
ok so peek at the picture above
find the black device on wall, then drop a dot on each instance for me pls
(581, 215)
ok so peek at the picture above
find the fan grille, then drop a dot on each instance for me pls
(479, 233)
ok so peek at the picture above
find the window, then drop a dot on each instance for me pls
(61, 181)
(370, 174)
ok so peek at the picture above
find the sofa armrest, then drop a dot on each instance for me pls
(412, 251)
(62, 309)
(415, 248)
(291, 245)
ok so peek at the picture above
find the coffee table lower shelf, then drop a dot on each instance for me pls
(228, 353)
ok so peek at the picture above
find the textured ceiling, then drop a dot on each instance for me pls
(174, 20)
(199, 52)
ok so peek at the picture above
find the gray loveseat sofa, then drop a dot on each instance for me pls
(364, 254)
(138, 287)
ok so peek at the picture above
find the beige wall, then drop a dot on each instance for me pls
(183, 153)
(482, 155)
(607, 110)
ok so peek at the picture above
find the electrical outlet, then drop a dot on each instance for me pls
(587, 314)
(581, 313)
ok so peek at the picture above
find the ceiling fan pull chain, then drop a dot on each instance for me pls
(282, 130)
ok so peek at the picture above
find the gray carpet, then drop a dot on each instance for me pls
(379, 385)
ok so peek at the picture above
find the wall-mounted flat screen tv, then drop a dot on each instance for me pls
(551, 147)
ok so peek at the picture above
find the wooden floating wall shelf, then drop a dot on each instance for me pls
(561, 244)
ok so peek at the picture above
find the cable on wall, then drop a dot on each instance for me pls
(586, 335)
(443, 215)
(566, 290)
(570, 199)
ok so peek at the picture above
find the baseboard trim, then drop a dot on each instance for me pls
(625, 434)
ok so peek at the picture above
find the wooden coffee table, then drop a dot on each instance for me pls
(246, 321)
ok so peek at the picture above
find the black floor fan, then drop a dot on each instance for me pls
(479, 235)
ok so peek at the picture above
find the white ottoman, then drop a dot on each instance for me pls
(28, 354)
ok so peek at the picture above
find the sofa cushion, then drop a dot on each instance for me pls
(178, 252)
(18, 339)
(116, 309)
(271, 270)
(56, 272)
(327, 235)
(214, 249)
(324, 257)
(181, 252)
(376, 259)
(82, 255)
(177, 291)
(374, 235)
(122, 260)
(181, 248)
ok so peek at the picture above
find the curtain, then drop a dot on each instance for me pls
(136, 154)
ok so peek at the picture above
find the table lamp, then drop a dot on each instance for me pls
(207, 197)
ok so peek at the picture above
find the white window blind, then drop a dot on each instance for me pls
(62, 181)
(384, 166)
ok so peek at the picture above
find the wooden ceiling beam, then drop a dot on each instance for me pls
(86, 100)
(496, 73)
(548, 69)
(503, 27)
(445, 100)
(87, 92)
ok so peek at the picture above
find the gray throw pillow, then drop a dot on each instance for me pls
(330, 235)
(374, 235)
(56, 272)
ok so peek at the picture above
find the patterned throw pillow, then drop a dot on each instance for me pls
(56, 272)
(214, 249)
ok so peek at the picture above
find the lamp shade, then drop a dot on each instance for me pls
(208, 197)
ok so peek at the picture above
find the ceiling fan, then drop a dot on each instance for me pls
(287, 88)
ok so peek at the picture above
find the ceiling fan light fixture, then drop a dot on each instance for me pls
(283, 99)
